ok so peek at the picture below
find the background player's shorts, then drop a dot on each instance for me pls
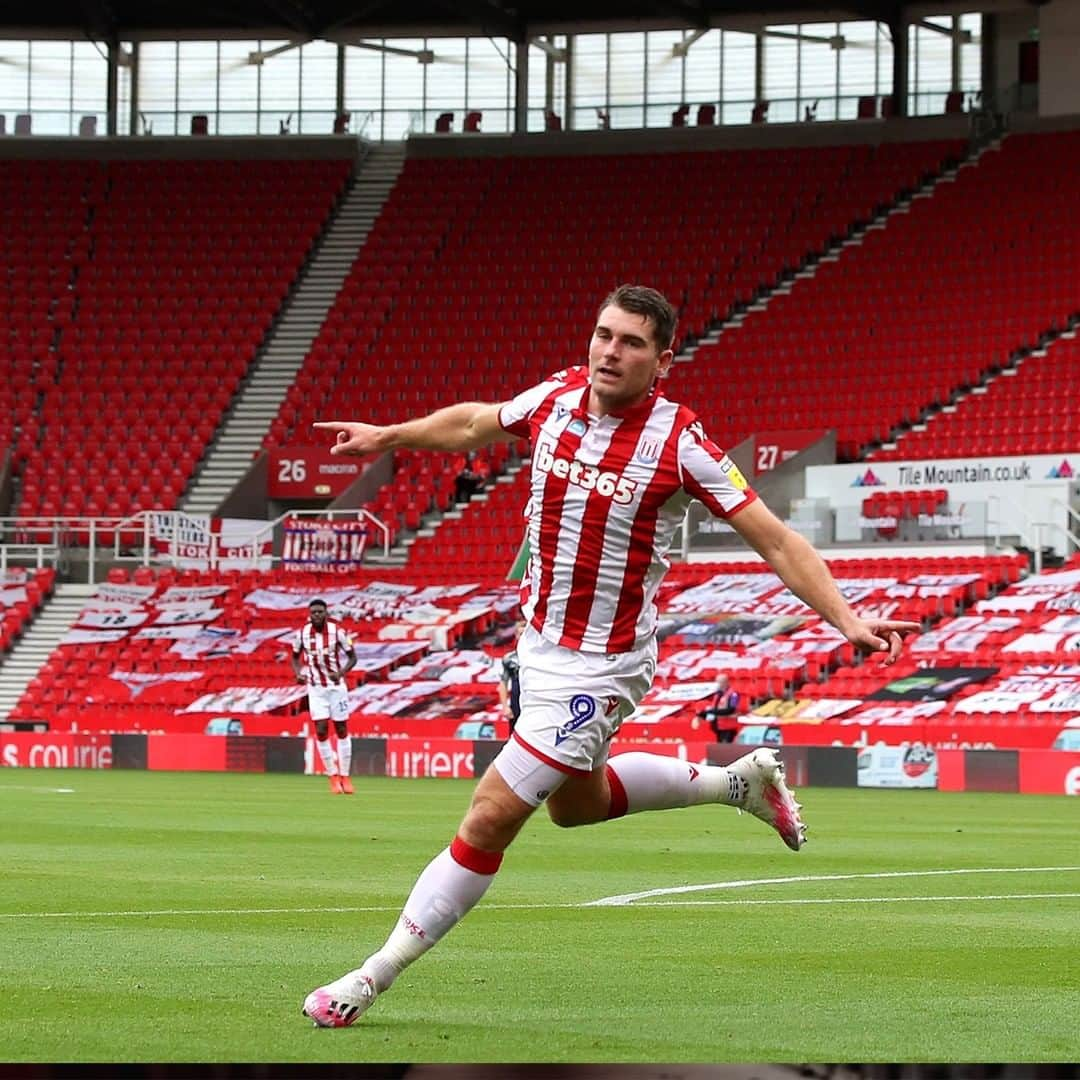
(572, 702)
(329, 703)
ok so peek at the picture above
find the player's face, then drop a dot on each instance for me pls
(317, 616)
(624, 360)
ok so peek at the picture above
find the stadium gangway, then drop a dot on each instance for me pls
(1072, 516)
(151, 537)
(1034, 530)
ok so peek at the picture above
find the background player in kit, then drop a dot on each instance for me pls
(510, 680)
(328, 656)
(614, 466)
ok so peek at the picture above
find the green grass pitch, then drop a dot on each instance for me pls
(183, 917)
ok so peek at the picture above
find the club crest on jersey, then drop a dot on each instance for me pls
(648, 451)
(582, 710)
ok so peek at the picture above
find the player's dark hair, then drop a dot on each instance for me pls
(641, 300)
(321, 603)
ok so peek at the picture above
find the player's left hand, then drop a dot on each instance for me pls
(881, 635)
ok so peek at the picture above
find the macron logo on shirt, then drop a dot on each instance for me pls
(588, 477)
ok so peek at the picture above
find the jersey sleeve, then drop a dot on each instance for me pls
(515, 414)
(296, 643)
(710, 475)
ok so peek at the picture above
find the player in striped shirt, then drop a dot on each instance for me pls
(615, 464)
(328, 656)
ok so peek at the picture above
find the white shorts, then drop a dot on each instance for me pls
(572, 703)
(329, 703)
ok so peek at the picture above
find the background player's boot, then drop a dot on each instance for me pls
(342, 1002)
(335, 784)
(346, 785)
(767, 796)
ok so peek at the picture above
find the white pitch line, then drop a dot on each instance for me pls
(28, 787)
(613, 901)
(628, 898)
(171, 913)
(859, 900)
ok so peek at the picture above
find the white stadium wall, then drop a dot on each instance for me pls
(1018, 492)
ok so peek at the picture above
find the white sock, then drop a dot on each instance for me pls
(344, 755)
(653, 782)
(326, 752)
(444, 893)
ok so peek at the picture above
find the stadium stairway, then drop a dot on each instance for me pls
(1019, 402)
(240, 437)
(56, 617)
(501, 553)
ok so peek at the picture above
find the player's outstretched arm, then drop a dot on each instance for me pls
(803, 570)
(457, 427)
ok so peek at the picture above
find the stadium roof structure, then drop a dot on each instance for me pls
(341, 20)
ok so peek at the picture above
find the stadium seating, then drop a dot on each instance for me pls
(137, 306)
(22, 593)
(942, 296)
(397, 342)
(237, 648)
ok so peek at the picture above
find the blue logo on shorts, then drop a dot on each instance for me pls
(582, 710)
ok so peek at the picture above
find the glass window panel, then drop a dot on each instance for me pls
(702, 67)
(404, 83)
(738, 72)
(238, 89)
(626, 79)
(863, 62)
(781, 73)
(279, 86)
(445, 78)
(929, 67)
(90, 78)
(318, 83)
(157, 82)
(397, 124)
(664, 81)
(197, 64)
(590, 70)
(538, 65)
(817, 66)
(971, 53)
(363, 90)
(491, 82)
(50, 82)
(14, 76)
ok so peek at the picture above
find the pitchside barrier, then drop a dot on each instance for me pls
(1041, 772)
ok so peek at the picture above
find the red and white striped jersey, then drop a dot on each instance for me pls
(324, 651)
(607, 495)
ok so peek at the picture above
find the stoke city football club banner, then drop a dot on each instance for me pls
(324, 545)
(200, 542)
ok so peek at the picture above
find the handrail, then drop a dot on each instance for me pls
(1037, 526)
(48, 539)
(1074, 515)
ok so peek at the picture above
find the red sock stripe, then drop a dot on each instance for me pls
(473, 858)
(617, 806)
